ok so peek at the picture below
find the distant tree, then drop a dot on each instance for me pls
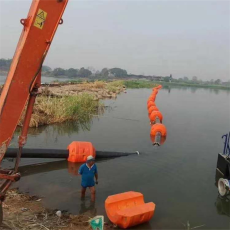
(71, 72)
(5, 64)
(167, 79)
(90, 68)
(117, 72)
(194, 79)
(84, 72)
(59, 72)
(104, 72)
(46, 69)
(217, 82)
(185, 78)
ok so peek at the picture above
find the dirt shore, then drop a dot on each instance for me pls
(98, 89)
(22, 212)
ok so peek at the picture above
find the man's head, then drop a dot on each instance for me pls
(90, 160)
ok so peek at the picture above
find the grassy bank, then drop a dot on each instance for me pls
(133, 84)
(61, 102)
(49, 110)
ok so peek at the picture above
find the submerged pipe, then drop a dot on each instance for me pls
(59, 153)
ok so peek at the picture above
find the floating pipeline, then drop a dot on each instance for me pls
(128, 209)
(76, 152)
(158, 131)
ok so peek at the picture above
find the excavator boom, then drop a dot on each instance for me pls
(23, 80)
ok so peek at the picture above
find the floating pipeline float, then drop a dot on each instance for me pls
(150, 103)
(158, 134)
(158, 129)
(151, 99)
(128, 209)
(152, 108)
(158, 87)
(155, 117)
(76, 152)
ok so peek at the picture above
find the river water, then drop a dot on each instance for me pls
(178, 176)
(44, 79)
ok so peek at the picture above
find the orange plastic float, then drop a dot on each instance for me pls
(158, 128)
(154, 115)
(79, 151)
(128, 209)
(152, 98)
(155, 91)
(159, 87)
(150, 103)
(152, 108)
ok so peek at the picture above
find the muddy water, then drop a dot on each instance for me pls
(179, 176)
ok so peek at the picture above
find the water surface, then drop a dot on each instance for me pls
(178, 176)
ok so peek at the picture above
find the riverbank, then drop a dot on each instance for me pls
(22, 212)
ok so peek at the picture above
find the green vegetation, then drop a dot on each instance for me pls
(49, 110)
(139, 84)
(150, 84)
(114, 86)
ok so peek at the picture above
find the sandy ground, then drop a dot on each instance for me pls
(23, 212)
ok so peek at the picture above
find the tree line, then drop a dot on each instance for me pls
(112, 73)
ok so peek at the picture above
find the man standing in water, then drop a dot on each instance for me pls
(88, 171)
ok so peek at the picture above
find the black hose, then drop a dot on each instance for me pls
(59, 153)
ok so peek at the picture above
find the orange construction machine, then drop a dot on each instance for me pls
(24, 79)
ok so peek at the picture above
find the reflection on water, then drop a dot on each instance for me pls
(178, 176)
(68, 127)
(87, 207)
(223, 206)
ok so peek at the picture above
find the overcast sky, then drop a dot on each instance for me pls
(182, 38)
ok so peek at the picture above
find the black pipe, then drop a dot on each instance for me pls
(58, 153)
